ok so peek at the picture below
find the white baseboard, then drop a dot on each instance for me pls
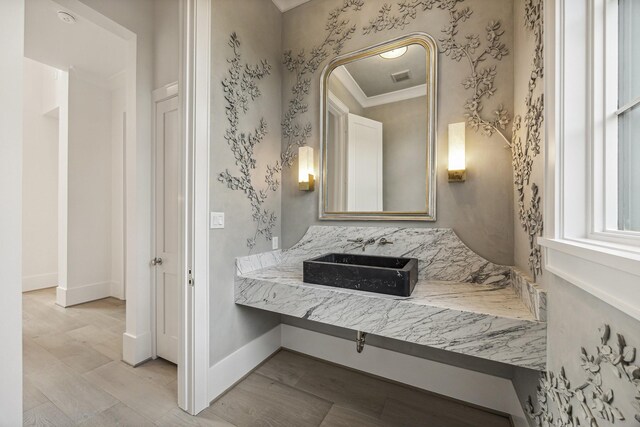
(227, 372)
(136, 348)
(81, 294)
(39, 281)
(469, 386)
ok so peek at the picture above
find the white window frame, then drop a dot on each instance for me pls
(604, 137)
(581, 240)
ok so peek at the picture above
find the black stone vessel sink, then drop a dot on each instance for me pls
(380, 274)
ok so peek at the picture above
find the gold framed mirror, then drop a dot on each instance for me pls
(378, 132)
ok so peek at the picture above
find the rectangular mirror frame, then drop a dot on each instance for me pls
(431, 50)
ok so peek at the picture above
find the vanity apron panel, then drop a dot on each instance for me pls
(464, 318)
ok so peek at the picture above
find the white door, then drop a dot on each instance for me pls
(167, 228)
(364, 154)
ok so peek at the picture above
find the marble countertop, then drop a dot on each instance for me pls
(486, 319)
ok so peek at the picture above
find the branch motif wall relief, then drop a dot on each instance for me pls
(561, 404)
(338, 30)
(482, 58)
(407, 12)
(481, 81)
(240, 87)
(525, 149)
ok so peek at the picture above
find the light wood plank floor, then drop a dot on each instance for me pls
(73, 376)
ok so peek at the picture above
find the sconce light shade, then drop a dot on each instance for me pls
(457, 162)
(306, 177)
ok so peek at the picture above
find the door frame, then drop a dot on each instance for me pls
(159, 95)
(194, 101)
(340, 111)
(194, 87)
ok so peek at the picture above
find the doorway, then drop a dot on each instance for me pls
(364, 170)
(194, 81)
(41, 131)
(105, 209)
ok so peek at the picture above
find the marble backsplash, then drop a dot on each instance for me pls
(530, 293)
(442, 255)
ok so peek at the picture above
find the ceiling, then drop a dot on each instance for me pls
(84, 45)
(373, 74)
(285, 5)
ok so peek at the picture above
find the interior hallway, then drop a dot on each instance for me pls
(73, 375)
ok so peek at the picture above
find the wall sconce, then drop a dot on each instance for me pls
(306, 177)
(457, 163)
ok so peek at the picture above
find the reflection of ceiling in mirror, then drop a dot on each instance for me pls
(374, 74)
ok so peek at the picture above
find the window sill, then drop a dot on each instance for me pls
(610, 272)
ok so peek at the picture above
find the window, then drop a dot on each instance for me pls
(592, 148)
(614, 128)
(628, 115)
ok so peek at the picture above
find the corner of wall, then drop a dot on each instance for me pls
(136, 349)
(67, 297)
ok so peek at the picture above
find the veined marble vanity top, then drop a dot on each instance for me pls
(461, 303)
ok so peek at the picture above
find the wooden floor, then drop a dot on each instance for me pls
(73, 376)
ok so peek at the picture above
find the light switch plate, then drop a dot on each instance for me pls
(216, 220)
(274, 243)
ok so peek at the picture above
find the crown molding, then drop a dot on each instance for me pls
(347, 80)
(284, 5)
(397, 96)
(344, 76)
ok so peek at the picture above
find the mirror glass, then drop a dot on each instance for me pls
(378, 132)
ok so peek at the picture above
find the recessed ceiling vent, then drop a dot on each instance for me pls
(401, 76)
(66, 17)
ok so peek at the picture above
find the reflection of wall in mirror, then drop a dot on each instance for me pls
(404, 153)
(338, 89)
(391, 92)
(339, 104)
(354, 153)
(404, 150)
(336, 168)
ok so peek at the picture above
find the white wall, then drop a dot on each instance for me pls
(166, 42)
(39, 177)
(118, 108)
(90, 184)
(11, 43)
(89, 191)
(137, 18)
(95, 186)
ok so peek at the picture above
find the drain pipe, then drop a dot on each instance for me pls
(360, 337)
